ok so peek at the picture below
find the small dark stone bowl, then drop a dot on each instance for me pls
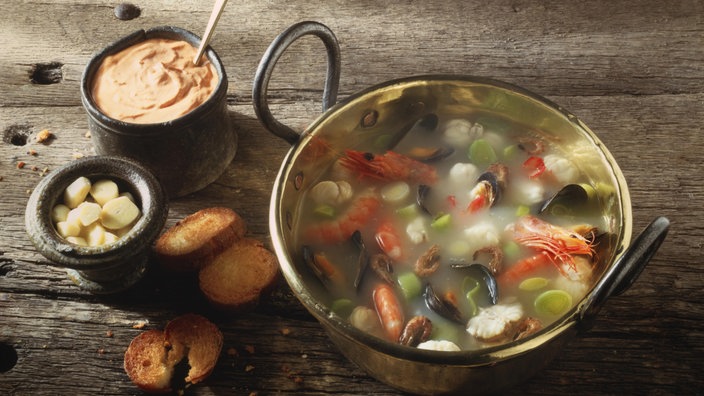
(187, 153)
(99, 269)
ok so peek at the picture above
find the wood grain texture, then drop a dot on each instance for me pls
(633, 71)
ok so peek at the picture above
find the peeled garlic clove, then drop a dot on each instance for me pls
(88, 213)
(104, 190)
(110, 237)
(76, 192)
(128, 195)
(77, 241)
(59, 213)
(118, 213)
(94, 234)
(66, 229)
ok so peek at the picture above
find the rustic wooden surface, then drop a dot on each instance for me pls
(632, 70)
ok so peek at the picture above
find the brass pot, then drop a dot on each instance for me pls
(394, 105)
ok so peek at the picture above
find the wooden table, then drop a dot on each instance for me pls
(633, 71)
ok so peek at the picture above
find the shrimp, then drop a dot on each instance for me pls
(355, 217)
(389, 310)
(388, 240)
(560, 244)
(523, 268)
(390, 166)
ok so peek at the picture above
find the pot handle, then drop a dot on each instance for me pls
(266, 67)
(625, 271)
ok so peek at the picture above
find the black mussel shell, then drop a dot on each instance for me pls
(493, 186)
(571, 196)
(362, 260)
(422, 196)
(442, 306)
(487, 277)
(429, 121)
(309, 259)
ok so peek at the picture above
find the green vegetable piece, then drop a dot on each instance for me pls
(481, 153)
(410, 285)
(441, 222)
(408, 212)
(522, 210)
(471, 287)
(510, 152)
(395, 192)
(533, 284)
(326, 211)
(342, 307)
(511, 250)
(553, 302)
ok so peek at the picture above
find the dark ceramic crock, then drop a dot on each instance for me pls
(100, 269)
(391, 106)
(187, 153)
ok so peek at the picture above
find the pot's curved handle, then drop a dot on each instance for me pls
(266, 67)
(625, 271)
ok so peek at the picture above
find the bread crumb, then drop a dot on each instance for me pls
(232, 352)
(286, 331)
(77, 155)
(44, 135)
(2, 178)
(139, 325)
(21, 164)
(304, 356)
(248, 368)
(101, 351)
(249, 349)
(109, 334)
(35, 168)
(87, 135)
(32, 152)
(253, 393)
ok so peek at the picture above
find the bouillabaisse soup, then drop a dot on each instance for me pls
(453, 227)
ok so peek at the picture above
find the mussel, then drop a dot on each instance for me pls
(490, 186)
(430, 154)
(428, 122)
(444, 306)
(570, 199)
(422, 196)
(362, 258)
(485, 275)
(323, 269)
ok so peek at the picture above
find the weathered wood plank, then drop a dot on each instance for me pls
(632, 71)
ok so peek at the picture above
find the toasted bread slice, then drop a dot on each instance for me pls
(147, 364)
(152, 356)
(200, 339)
(199, 237)
(235, 279)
